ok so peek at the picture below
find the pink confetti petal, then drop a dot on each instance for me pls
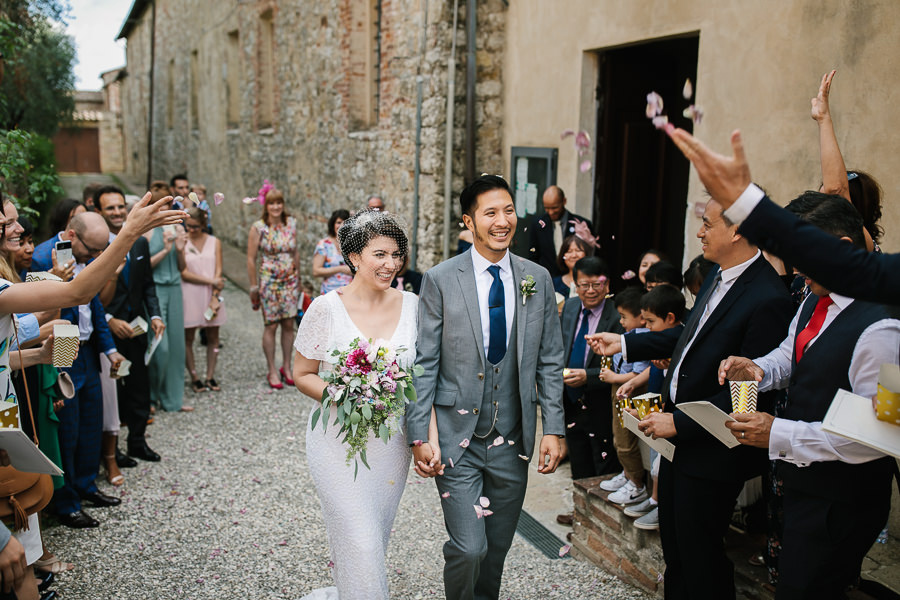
(688, 89)
(661, 121)
(498, 440)
(566, 133)
(603, 455)
(523, 457)
(541, 223)
(629, 274)
(463, 411)
(570, 425)
(464, 443)
(417, 443)
(479, 512)
(585, 166)
(445, 495)
(219, 198)
(693, 113)
(248, 200)
(654, 105)
(450, 462)
(330, 564)
(564, 550)
(488, 513)
(484, 502)
(583, 140)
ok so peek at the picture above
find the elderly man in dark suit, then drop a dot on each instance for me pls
(742, 305)
(133, 295)
(551, 228)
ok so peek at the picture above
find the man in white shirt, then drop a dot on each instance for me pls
(833, 342)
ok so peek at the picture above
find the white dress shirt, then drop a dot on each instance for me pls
(728, 277)
(802, 443)
(483, 281)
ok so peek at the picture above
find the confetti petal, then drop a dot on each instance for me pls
(523, 457)
(510, 442)
(484, 501)
(219, 198)
(629, 274)
(688, 90)
(583, 140)
(660, 121)
(463, 411)
(585, 166)
(570, 425)
(603, 455)
(450, 462)
(564, 550)
(541, 223)
(693, 113)
(464, 443)
(566, 133)
(445, 495)
(654, 105)
(592, 435)
(417, 443)
(248, 200)
(498, 440)
(479, 512)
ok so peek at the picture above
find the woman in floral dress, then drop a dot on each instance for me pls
(327, 260)
(274, 284)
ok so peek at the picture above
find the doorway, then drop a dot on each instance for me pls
(641, 184)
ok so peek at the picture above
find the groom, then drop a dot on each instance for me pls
(490, 343)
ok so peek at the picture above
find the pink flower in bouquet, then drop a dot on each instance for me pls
(357, 360)
(389, 386)
(379, 405)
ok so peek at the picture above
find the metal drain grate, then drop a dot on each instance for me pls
(539, 536)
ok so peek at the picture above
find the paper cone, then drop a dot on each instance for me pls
(647, 403)
(743, 396)
(139, 325)
(9, 415)
(887, 400)
(41, 276)
(65, 345)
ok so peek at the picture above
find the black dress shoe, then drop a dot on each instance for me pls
(144, 453)
(45, 580)
(101, 499)
(124, 461)
(78, 520)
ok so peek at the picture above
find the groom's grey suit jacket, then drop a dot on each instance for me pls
(450, 347)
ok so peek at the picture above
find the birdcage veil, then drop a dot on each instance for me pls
(365, 225)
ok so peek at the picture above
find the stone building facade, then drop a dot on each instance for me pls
(320, 98)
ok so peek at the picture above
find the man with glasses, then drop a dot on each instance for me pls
(132, 294)
(81, 418)
(586, 399)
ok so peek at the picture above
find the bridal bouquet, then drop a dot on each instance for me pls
(370, 390)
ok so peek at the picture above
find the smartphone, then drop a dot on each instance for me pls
(63, 252)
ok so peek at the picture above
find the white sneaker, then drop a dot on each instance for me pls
(649, 521)
(629, 494)
(611, 485)
(639, 510)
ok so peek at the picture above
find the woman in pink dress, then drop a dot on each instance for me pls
(201, 282)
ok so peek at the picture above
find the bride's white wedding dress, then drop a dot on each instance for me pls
(358, 514)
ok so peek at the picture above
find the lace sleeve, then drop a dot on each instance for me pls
(314, 333)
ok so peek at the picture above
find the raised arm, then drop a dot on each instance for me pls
(834, 173)
(47, 295)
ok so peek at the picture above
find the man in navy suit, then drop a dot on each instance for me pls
(81, 418)
(742, 305)
(838, 266)
(551, 228)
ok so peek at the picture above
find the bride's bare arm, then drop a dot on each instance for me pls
(306, 376)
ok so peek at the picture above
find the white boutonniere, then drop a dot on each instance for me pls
(527, 288)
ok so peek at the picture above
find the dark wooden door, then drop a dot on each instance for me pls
(642, 179)
(77, 150)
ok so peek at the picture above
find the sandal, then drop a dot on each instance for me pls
(198, 386)
(52, 564)
(115, 480)
(212, 385)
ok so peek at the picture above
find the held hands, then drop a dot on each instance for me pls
(147, 215)
(64, 272)
(549, 454)
(738, 368)
(575, 377)
(427, 459)
(820, 110)
(751, 429)
(724, 177)
(605, 343)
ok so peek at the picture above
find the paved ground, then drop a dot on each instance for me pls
(231, 511)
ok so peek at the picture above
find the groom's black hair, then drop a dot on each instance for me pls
(484, 183)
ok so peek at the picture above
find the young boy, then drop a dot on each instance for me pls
(661, 308)
(628, 305)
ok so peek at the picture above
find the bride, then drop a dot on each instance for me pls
(359, 513)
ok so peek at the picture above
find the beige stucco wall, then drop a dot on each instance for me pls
(759, 64)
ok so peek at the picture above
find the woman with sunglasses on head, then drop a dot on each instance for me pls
(201, 284)
(51, 295)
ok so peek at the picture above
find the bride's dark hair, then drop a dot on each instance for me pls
(366, 225)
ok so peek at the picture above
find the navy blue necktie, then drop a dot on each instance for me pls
(576, 358)
(497, 316)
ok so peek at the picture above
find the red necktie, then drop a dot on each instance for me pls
(814, 326)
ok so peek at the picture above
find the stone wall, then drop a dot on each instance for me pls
(310, 152)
